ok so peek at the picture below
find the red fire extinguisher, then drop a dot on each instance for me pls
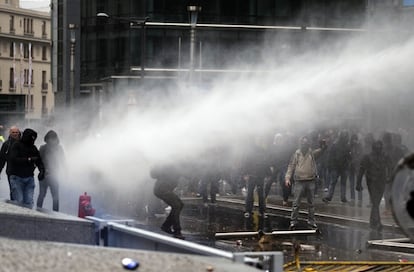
(85, 206)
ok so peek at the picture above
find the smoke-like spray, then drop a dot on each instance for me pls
(366, 79)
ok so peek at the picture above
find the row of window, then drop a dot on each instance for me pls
(25, 50)
(27, 26)
(28, 76)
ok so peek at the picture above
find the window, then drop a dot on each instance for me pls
(28, 77)
(12, 24)
(11, 80)
(44, 108)
(44, 53)
(12, 49)
(44, 34)
(28, 26)
(44, 80)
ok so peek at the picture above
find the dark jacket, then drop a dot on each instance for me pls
(52, 154)
(24, 156)
(5, 154)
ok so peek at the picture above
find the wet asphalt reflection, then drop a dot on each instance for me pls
(333, 242)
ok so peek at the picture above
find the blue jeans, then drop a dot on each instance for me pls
(22, 190)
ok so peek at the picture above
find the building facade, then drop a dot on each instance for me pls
(132, 46)
(25, 70)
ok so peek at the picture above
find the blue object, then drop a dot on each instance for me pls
(129, 264)
(408, 3)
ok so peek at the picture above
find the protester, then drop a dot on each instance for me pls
(339, 162)
(53, 157)
(14, 135)
(24, 158)
(376, 166)
(167, 177)
(256, 169)
(302, 168)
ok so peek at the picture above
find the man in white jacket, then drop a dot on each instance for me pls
(302, 168)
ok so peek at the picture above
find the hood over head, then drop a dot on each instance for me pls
(29, 136)
(51, 137)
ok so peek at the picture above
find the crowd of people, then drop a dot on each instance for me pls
(21, 157)
(306, 166)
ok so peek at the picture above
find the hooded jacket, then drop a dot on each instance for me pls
(52, 154)
(24, 156)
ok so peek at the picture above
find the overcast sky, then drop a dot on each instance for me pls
(42, 5)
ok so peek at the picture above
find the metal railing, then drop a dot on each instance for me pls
(112, 233)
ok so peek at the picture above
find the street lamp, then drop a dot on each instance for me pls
(133, 23)
(72, 29)
(193, 13)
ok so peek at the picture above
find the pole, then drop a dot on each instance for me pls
(143, 45)
(72, 28)
(193, 10)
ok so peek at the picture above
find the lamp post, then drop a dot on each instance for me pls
(193, 13)
(133, 24)
(72, 29)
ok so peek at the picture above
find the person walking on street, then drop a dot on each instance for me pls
(302, 168)
(14, 135)
(53, 158)
(24, 158)
(339, 160)
(376, 166)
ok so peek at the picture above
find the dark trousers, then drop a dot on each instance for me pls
(251, 185)
(214, 188)
(52, 183)
(165, 192)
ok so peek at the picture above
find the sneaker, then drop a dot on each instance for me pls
(246, 215)
(292, 227)
(326, 190)
(284, 203)
(312, 225)
(167, 229)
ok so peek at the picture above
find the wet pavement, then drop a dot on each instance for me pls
(343, 229)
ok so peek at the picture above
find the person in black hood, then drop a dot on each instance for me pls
(53, 157)
(24, 158)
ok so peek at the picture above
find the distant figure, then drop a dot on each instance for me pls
(53, 158)
(376, 166)
(339, 162)
(167, 178)
(256, 169)
(14, 135)
(302, 168)
(211, 174)
(24, 158)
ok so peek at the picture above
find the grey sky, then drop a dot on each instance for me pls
(41, 5)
